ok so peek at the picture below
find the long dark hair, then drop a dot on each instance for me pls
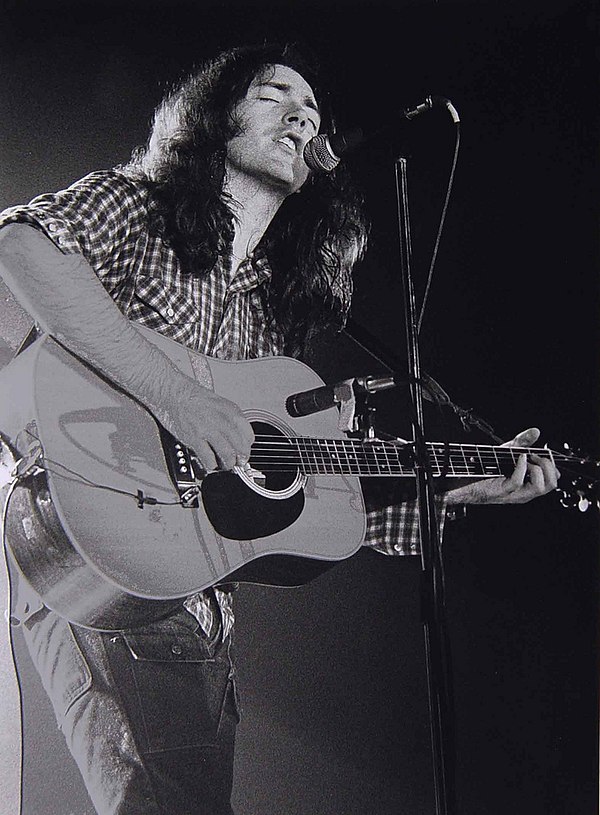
(316, 236)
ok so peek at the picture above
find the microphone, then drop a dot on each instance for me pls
(313, 401)
(323, 153)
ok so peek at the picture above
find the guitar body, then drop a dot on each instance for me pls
(96, 556)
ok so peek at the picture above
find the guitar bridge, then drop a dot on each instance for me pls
(181, 469)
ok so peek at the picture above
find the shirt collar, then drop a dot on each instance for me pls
(251, 273)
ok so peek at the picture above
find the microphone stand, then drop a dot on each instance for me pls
(437, 654)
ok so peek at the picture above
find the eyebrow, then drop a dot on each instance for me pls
(286, 88)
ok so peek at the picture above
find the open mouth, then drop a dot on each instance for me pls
(286, 141)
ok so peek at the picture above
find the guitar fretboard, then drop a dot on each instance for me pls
(382, 458)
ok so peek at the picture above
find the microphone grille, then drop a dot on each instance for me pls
(319, 156)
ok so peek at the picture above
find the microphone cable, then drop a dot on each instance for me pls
(438, 237)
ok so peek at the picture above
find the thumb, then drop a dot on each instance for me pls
(526, 438)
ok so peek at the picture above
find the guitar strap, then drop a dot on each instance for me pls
(11, 709)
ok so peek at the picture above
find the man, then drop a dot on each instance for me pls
(217, 236)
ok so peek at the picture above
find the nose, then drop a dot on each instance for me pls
(296, 117)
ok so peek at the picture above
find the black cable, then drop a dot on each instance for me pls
(441, 226)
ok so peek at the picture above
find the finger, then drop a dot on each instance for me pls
(205, 456)
(550, 473)
(524, 439)
(224, 451)
(238, 421)
(537, 481)
(542, 478)
(238, 430)
(238, 444)
(247, 431)
(516, 480)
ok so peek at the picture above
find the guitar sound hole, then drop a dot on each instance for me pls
(273, 456)
(236, 510)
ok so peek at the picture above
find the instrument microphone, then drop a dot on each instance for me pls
(323, 153)
(316, 399)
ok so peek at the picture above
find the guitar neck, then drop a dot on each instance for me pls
(382, 458)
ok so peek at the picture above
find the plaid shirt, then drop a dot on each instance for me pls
(104, 217)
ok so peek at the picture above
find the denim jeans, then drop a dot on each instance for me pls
(149, 715)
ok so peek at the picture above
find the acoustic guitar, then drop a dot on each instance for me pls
(112, 521)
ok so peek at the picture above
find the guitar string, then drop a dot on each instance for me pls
(335, 447)
(380, 444)
(298, 449)
(323, 446)
(404, 470)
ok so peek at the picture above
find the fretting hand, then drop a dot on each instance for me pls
(532, 477)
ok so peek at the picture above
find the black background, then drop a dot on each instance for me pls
(332, 675)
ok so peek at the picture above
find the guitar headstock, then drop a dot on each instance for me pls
(579, 485)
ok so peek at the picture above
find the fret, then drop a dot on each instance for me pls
(474, 460)
(435, 464)
(333, 460)
(327, 458)
(377, 449)
(312, 452)
(385, 460)
(304, 456)
(464, 463)
(340, 452)
(352, 459)
(321, 461)
(498, 468)
(438, 458)
(483, 470)
(379, 458)
(346, 463)
(370, 461)
(399, 466)
(490, 464)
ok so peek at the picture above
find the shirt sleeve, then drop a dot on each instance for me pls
(394, 529)
(98, 217)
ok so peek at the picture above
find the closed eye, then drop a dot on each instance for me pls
(278, 101)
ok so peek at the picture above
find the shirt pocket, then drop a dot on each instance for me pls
(168, 309)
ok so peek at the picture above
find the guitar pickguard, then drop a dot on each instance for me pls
(254, 517)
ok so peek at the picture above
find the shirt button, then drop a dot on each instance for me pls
(170, 312)
(176, 649)
(398, 547)
(62, 240)
(53, 227)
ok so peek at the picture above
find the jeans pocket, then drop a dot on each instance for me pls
(177, 691)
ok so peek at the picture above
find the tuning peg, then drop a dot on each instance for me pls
(567, 499)
(583, 504)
